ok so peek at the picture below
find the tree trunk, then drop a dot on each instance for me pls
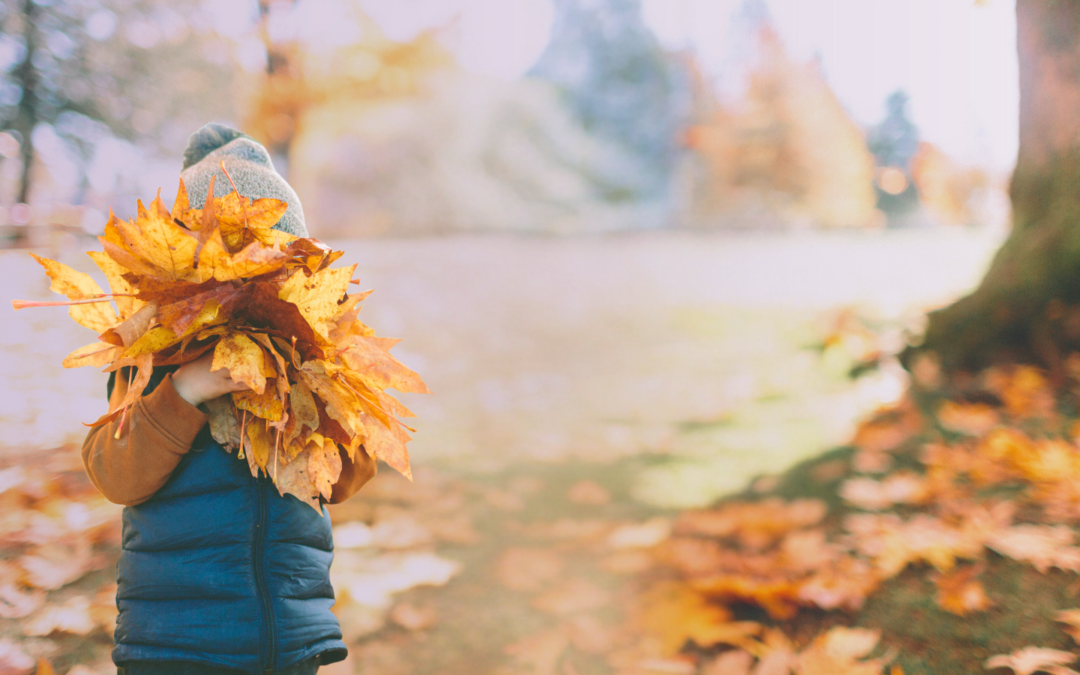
(1027, 307)
(27, 116)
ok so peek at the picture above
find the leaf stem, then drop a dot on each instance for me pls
(23, 304)
(243, 421)
(243, 206)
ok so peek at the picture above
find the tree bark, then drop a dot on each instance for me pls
(26, 118)
(1027, 308)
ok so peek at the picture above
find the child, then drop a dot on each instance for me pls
(218, 573)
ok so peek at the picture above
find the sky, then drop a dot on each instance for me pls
(955, 58)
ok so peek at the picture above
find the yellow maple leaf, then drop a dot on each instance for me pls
(99, 316)
(317, 296)
(243, 358)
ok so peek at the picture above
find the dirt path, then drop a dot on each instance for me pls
(583, 387)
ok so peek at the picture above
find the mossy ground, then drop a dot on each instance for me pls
(928, 639)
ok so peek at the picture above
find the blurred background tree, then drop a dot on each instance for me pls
(894, 142)
(130, 69)
(622, 87)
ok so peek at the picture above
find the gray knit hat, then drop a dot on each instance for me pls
(251, 169)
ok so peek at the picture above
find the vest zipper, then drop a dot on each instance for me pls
(260, 575)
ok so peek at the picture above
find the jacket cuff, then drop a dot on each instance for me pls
(177, 419)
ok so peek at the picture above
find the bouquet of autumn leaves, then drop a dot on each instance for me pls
(275, 314)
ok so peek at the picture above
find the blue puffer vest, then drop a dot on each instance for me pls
(217, 568)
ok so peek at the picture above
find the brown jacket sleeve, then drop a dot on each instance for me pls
(157, 433)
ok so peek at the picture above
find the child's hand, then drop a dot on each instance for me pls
(196, 384)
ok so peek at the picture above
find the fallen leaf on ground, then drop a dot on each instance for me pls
(71, 617)
(873, 495)
(541, 651)
(54, 566)
(735, 662)
(528, 569)
(974, 419)
(961, 593)
(590, 635)
(1044, 546)
(414, 617)
(570, 597)
(1033, 659)
(588, 493)
(838, 652)
(1070, 617)
(13, 660)
(675, 613)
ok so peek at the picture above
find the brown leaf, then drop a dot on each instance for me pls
(266, 405)
(324, 466)
(243, 358)
(128, 332)
(223, 425)
(342, 404)
(303, 408)
(144, 367)
(261, 308)
(181, 313)
(293, 479)
(312, 254)
(374, 365)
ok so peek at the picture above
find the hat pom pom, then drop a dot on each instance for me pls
(206, 140)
